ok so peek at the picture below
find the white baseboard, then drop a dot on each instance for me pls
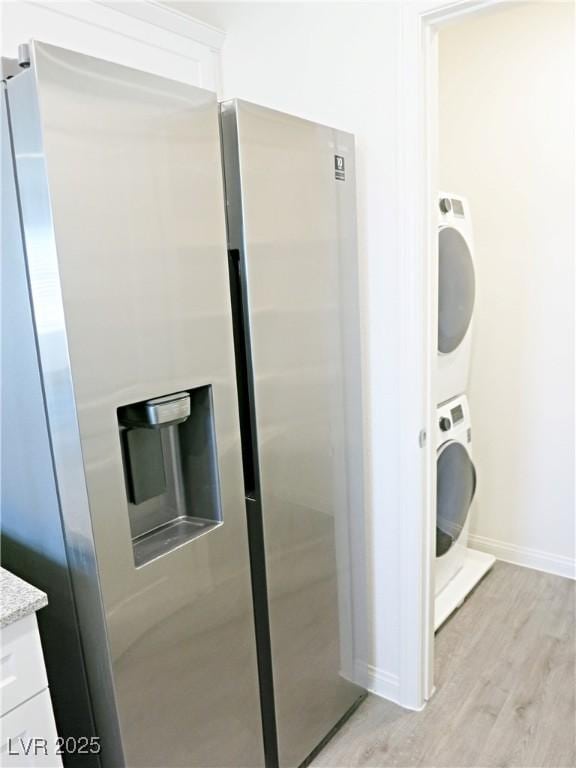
(529, 558)
(378, 681)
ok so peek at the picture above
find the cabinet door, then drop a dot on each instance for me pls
(22, 672)
(28, 735)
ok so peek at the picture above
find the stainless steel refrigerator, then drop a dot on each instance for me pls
(181, 433)
(290, 194)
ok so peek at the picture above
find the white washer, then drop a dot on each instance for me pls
(458, 568)
(456, 294)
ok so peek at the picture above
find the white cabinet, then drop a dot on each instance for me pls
(29, 734)
(22, 672)
(27, 728)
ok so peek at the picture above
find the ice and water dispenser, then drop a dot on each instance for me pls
(170, 469)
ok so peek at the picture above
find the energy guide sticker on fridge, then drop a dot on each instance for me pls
(339, 170)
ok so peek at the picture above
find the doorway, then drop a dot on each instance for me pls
(424, 27)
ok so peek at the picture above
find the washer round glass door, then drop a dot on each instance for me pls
(456, 288)
(455, 487)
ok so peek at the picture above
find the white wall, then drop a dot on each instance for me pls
(507, 142)
(137, 34)
(336, 63)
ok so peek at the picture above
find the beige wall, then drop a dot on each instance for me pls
(507, 142)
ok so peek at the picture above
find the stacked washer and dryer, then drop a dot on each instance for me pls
(458, 567)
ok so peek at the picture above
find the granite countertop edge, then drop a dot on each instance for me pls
(18, 599)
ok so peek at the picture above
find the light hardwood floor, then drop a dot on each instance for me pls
(505, 677)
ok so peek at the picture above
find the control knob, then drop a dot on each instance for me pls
(445, 204)
(445, 423)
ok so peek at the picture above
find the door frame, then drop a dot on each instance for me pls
(417, 129)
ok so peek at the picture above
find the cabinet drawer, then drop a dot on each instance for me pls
(22, 672)
(28, 735)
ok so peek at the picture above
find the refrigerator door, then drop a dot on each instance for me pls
(291, 218)
(32, 541)
(120, 183)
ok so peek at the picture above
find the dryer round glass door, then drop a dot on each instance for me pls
(455, 487)
(456, 288)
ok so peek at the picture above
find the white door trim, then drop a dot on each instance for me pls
(418, 253)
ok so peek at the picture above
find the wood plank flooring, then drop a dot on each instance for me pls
(506, 681)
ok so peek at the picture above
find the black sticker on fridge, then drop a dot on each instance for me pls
(339, 169)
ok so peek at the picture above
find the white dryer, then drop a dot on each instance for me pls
(456, 295)
(458, 568)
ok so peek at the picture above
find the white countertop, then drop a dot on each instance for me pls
(18, 598)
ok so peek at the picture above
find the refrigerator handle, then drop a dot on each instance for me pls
(243, 375)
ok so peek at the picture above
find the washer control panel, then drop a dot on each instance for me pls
(445, 204)
(457, 413)
(452, 418)
(451, 205)
(444, 423)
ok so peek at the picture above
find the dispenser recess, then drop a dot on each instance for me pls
(171, 471)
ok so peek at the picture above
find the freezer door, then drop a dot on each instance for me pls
(32, 539)
(121, 193)
(291, 217)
